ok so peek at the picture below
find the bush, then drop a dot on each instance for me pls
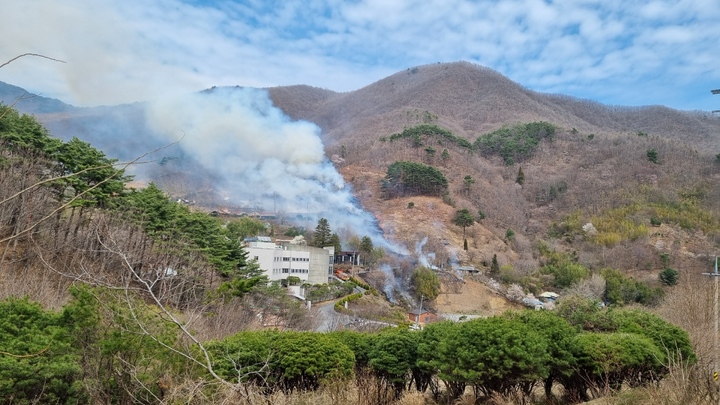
(38, 363)
(669, 276)
(515, 143)
(410, 178)
(563, 267)
(509, 234)
(652, 155)
(621, 290)
(281, 360)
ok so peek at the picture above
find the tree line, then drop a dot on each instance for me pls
(79, 353)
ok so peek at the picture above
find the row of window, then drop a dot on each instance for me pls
(294, 259)
(290, 271)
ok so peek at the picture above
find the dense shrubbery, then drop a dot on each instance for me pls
(512, 143)
(47, 357)
(515, 143)
(38, 361)
(410, 178)
(427, 130)
(564, 269)
(282, 360)
(621, 289)
(324, 292)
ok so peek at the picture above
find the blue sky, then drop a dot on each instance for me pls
(612, 51)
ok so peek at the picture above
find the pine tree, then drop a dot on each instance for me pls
(322, 235)
(463, 219)
(520, 179)
(335, 243)
(494, 266)
(366, 245)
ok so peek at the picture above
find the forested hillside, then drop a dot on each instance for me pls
(121, 295)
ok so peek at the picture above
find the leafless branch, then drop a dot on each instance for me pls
(30, 54)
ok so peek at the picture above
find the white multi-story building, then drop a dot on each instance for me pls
(280, 261)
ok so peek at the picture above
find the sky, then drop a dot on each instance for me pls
(619, 52)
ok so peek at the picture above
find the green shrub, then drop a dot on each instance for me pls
(38, 363)
(281, 360)
(425, 131)
(669, 276)
(563, 267)
(509, 234)
(621, 290)
(410, 178)
(515, 143)
(652, 155)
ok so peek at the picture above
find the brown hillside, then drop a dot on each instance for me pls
(597, 159)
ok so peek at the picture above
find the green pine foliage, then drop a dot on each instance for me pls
(669, 276)
(22, 132)
(196, 232)
(285, 361)
(411, 178)
(90, 177)
(419, 135)
(38, 362)
(515, 143)
(323, 234)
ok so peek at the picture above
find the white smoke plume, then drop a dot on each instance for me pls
(261, 155)
(425, 260)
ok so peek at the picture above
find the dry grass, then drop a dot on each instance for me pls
(365, 391)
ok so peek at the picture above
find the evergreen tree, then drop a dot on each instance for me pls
(446, 155)
(520, 179)
(463, 219)
(652, 155)
(322, 234)
(494, 266)
(335, 242)
(467, 183)
(669, 276)
(366, 245)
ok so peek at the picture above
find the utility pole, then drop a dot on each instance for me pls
(715, 275)
(417, 318)
(716, 91)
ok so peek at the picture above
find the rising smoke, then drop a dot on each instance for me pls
(263, 158)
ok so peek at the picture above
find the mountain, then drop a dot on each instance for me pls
(470, 100)
(596, 165)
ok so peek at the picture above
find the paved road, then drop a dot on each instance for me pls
(329, 319)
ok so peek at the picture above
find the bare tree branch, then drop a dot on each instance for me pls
(30, 54)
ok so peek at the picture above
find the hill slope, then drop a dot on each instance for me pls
(596, 163)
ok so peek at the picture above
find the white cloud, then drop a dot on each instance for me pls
(132, 50)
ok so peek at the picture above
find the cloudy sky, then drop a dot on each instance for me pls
(613, 51)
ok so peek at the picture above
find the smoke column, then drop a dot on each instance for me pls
(261, 155)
